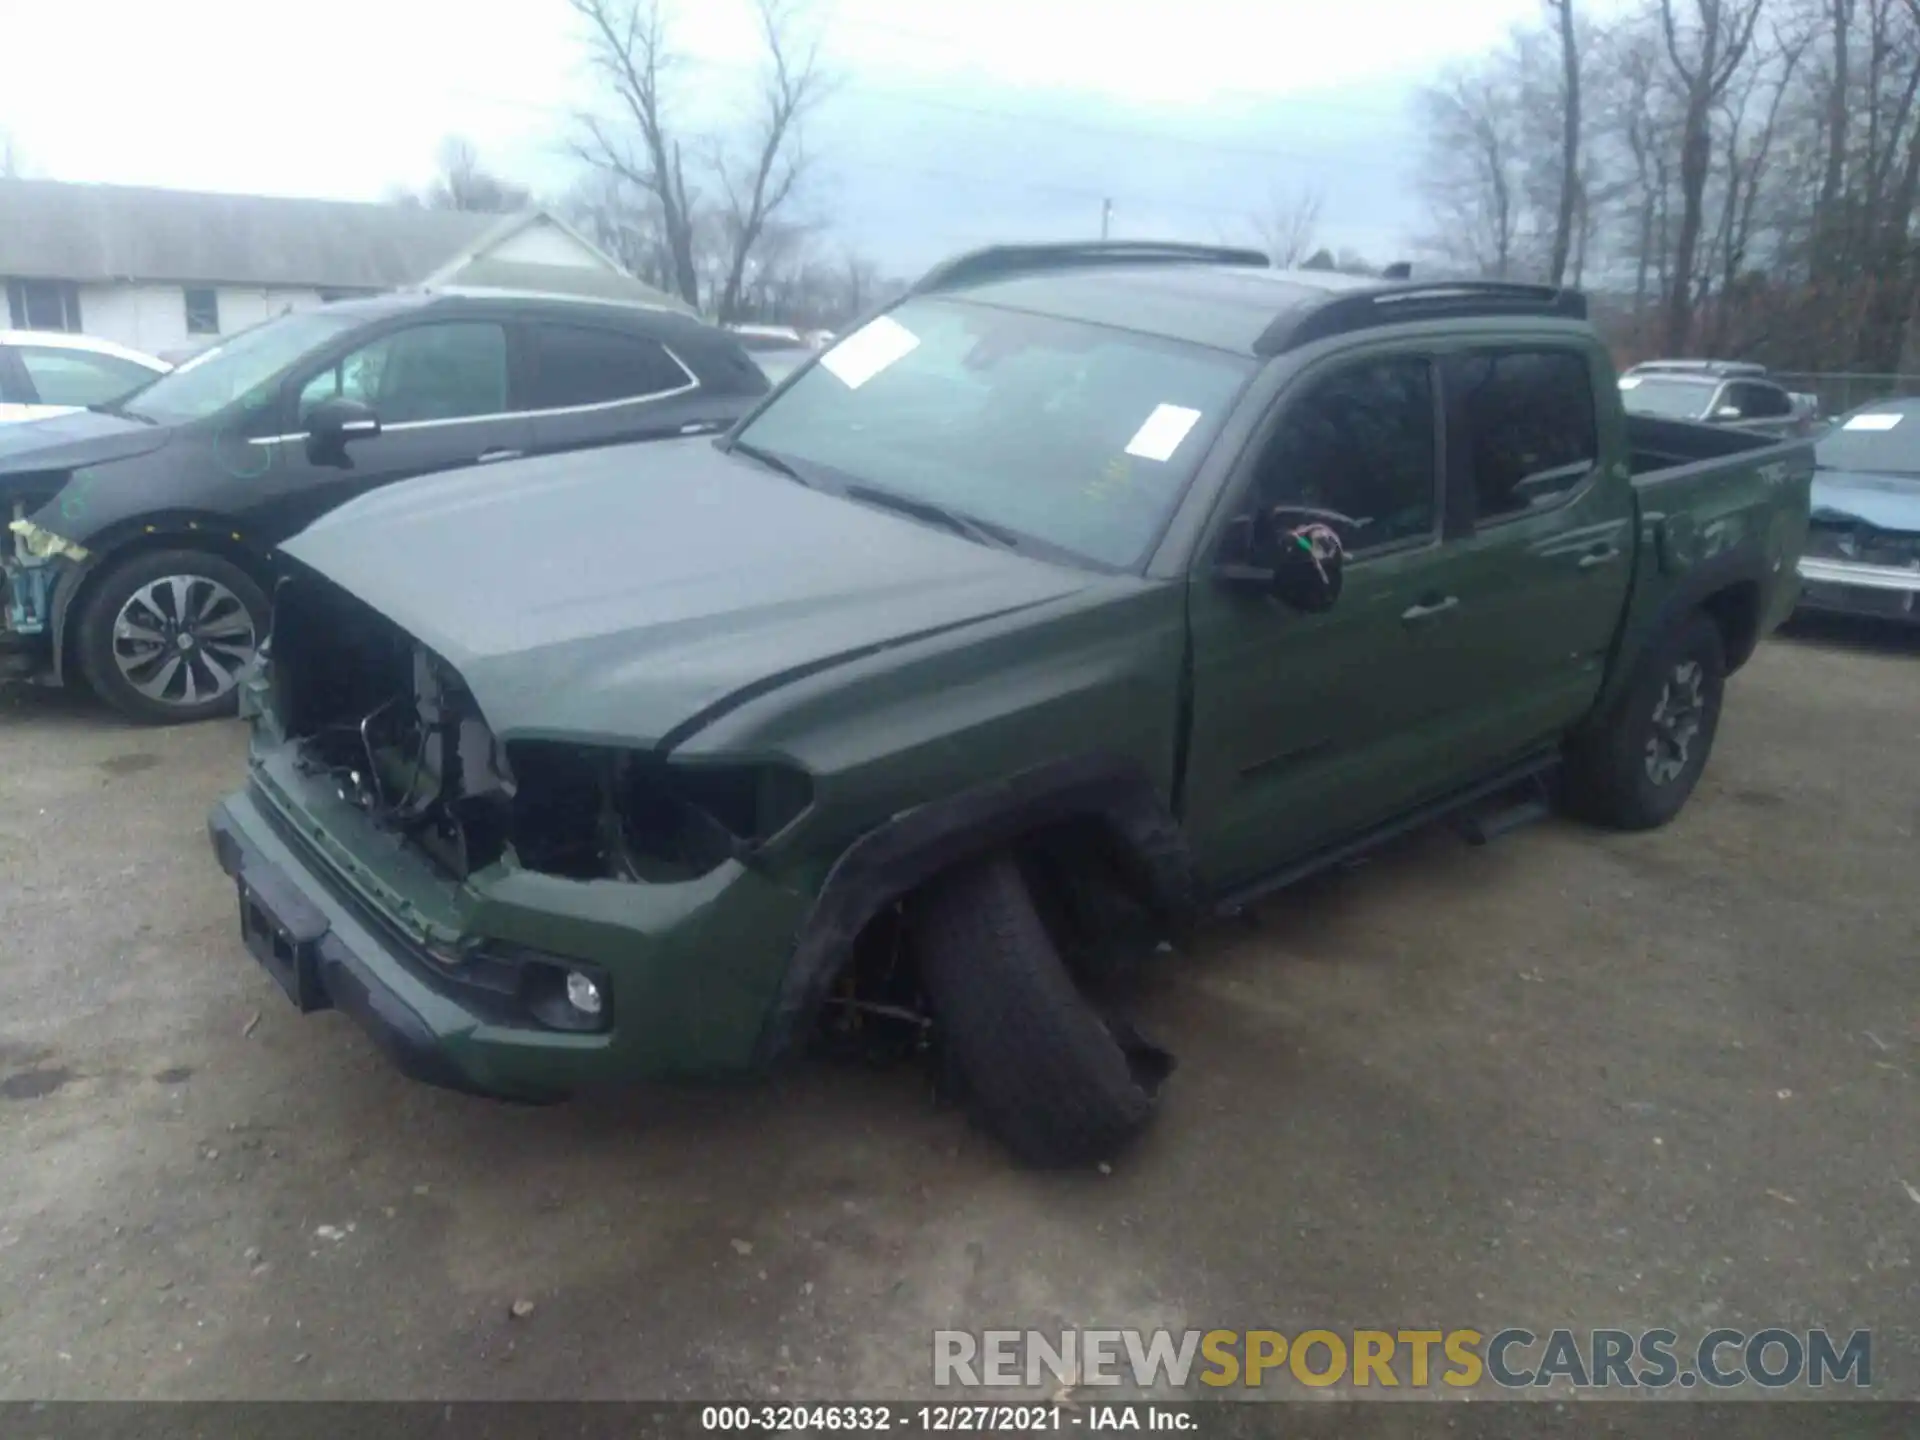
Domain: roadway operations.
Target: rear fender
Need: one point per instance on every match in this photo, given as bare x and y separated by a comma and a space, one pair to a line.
1698, 585
895, 859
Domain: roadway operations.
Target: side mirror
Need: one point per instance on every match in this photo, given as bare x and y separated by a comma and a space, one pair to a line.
1308, 569
332, 424
1295, 556
1728, 412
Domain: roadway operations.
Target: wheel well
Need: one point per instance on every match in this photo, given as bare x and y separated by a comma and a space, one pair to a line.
215, 542
1090, 898
1736, 611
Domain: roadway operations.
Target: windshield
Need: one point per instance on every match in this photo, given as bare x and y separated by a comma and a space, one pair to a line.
234, 369
1669, 399
1080, 436
1882, 439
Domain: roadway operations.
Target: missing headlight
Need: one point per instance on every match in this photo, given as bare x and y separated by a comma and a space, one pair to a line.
595, 812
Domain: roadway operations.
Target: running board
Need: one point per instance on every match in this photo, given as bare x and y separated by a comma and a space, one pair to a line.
1532, 771
1479, 826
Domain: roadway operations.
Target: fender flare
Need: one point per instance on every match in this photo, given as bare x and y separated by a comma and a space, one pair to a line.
908, 850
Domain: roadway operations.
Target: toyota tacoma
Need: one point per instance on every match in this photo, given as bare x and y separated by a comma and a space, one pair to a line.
1082, 593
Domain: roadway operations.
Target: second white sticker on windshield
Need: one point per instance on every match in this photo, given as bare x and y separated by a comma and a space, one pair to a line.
869, 350
1162, 433
1882, 421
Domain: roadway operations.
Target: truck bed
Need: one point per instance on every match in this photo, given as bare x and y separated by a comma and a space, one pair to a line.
1715, 506
1657, 445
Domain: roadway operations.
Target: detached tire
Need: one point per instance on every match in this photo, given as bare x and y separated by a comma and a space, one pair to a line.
1045, 1073
1637, 766
164, 635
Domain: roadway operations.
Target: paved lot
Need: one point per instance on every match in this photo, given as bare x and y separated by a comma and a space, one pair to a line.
1574, 1079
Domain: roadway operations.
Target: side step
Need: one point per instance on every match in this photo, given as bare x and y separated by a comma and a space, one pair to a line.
1524, 804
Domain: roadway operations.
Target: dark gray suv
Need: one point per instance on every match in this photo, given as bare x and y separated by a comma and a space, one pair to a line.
141, 534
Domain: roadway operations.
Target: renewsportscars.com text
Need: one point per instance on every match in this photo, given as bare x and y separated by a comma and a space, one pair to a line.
1511, 1359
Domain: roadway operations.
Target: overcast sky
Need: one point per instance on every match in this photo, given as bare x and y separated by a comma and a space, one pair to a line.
953, 125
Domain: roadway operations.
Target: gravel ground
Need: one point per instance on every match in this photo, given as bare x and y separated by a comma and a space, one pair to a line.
1571, 1079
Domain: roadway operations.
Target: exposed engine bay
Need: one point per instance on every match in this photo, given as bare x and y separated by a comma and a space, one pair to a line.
398, 734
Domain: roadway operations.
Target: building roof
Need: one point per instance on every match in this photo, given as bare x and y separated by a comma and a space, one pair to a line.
54, 230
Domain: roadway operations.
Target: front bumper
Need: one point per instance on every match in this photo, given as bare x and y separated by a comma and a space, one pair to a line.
692, 969
327, 956
1848, 587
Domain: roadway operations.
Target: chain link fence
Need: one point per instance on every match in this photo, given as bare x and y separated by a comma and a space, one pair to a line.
1840, 392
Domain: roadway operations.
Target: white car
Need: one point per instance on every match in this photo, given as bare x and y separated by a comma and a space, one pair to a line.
43, 374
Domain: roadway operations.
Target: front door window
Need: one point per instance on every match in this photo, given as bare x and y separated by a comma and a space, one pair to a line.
429, 372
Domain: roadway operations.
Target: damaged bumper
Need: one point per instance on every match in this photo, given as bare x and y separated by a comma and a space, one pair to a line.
454, 985
32, 564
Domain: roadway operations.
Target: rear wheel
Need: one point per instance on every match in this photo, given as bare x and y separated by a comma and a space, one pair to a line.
165, 635
1636, 769
1045, 1073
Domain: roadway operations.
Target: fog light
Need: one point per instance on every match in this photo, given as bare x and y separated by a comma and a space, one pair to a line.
582, 993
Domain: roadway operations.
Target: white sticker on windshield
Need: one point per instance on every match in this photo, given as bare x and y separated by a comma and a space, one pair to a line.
1882, 421
1165, 428
1630, 382
869, 350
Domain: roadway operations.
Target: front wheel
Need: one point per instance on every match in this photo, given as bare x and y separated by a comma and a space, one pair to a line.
1637, 767
165, 635
1046, 1073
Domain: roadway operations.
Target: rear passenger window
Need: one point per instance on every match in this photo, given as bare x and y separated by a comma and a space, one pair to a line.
579, 365
1530, 432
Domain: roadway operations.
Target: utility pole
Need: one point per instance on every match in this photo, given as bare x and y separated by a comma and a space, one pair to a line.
1106, 217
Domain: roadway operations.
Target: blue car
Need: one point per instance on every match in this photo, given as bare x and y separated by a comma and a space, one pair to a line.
1862, 555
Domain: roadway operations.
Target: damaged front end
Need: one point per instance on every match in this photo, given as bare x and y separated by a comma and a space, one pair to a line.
32, 561
1853, 566
549, 913
398, 735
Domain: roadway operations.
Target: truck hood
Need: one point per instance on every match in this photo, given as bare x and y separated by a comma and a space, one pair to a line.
1886, 502
630, 594
80, 437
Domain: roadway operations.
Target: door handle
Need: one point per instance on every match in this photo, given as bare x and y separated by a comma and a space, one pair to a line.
1427, 609
1594, 559
487, 457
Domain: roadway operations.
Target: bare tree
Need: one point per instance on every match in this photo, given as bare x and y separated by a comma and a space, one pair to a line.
629, 47
1569, 198
1287, 228
12, 164
463, 183
1472, 177
757, 186
1723, 33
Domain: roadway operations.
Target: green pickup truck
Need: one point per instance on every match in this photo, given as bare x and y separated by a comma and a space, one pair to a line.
1084, 592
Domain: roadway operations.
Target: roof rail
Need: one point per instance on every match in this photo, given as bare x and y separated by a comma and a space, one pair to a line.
1695, 367
999, 261
1423, 300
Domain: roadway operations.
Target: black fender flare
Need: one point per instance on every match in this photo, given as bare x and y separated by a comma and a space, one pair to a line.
897, 857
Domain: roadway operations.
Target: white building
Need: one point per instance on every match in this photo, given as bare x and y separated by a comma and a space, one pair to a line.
168, 270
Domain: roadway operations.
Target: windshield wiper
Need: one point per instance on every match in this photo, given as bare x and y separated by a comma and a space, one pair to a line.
978, 531
772, 461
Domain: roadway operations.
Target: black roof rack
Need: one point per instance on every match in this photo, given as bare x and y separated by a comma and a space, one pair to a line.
1424, 300
999, 261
